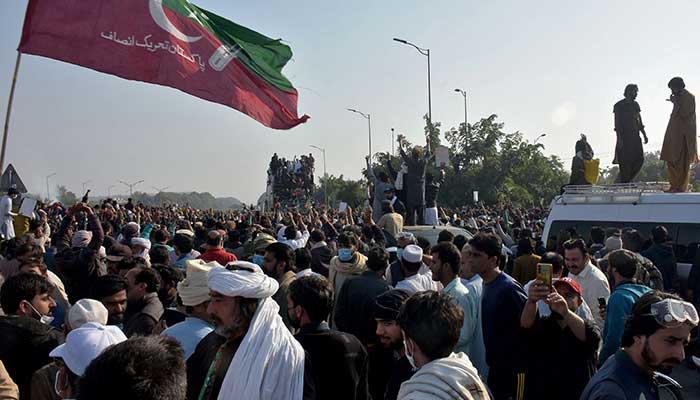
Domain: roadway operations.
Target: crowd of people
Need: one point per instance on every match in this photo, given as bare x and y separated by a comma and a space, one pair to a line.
292, 181
117, 301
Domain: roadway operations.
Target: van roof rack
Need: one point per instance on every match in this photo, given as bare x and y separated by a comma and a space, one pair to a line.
618, 188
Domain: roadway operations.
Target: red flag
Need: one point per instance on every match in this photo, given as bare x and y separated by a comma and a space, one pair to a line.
172, 43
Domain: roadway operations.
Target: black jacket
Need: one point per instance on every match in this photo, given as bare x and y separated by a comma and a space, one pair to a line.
79, 267
355, 304
141, 317
339, 362
25, 344
663, 258
320, 259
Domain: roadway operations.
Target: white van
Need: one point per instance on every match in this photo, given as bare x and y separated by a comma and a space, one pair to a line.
640, 206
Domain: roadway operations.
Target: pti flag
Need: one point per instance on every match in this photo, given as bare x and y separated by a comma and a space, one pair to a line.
172, 43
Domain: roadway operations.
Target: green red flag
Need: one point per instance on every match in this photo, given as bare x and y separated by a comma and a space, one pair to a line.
172, 43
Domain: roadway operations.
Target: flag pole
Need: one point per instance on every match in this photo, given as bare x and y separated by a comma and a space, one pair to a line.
9, 110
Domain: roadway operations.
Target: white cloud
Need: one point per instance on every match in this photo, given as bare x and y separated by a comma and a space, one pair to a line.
564, 113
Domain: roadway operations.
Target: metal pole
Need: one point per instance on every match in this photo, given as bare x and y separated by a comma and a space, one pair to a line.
9, 110
430, 109
369, 127
392, 141
48, 192
325, 177
466, 124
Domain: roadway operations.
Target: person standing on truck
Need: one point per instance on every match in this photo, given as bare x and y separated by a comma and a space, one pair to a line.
629, 153
680, 147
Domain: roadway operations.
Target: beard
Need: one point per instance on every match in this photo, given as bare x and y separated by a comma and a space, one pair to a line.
115, 319
663, 366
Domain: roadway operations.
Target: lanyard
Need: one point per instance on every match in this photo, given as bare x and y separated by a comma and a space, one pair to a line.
210, 373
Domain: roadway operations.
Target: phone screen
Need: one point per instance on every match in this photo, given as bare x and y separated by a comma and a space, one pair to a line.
544, 273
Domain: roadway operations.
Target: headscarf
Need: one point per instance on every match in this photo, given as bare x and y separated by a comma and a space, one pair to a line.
269, 363
81, 239
193, 290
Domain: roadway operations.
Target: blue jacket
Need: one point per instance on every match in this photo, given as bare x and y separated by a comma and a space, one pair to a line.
619, 308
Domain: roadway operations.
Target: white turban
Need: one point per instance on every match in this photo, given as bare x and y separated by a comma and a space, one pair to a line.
269, 363
193, 290
81, 239
251, 285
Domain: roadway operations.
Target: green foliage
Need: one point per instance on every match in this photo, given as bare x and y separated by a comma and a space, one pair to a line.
339, 189
653, 170
432, 131
502, 167
65, 196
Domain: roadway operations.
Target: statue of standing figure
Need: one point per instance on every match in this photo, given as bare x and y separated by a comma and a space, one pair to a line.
629, 153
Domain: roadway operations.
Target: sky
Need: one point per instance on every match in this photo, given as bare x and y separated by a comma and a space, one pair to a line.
554, 67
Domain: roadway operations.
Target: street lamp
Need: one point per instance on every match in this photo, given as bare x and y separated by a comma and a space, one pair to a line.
392, 141
539, 137
466, 125
131, 186
425, 52
48, 190
159, 190
325, 176
369, 127
85, 184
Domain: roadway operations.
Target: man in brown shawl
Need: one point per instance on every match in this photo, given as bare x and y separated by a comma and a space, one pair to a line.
629, 153
680, 143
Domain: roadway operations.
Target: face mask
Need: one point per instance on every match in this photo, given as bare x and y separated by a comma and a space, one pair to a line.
44, 319
399, 253
409, 357
345, 255
258, 259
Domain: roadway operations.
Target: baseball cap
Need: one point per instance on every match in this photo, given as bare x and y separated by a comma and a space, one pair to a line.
572, 284
412, 254
86, 310
84, 344
117, 252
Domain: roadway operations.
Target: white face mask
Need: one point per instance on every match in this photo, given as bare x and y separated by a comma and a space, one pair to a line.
45, 319
409, 356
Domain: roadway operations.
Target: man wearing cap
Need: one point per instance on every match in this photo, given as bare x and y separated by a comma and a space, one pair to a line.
25, 334
321, 253
215, 249
386, 311
110, 290
144, 309
183, 248
394, 274
118, 259
84, 311
259, 359
82, 346
623, 266
563, 332
77, 255
414, 281
260, 243
194, 293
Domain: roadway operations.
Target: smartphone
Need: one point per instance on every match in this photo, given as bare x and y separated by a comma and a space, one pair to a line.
544, 273
601, 302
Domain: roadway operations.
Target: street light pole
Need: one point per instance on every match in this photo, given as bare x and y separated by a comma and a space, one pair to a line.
325, 175
466, 124
425, 52
539, 137
48, 190
162, 189
369, 127
131, 186
392, 141
109, 190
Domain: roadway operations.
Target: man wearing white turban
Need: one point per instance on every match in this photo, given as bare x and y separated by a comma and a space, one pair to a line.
259, 359
194, 292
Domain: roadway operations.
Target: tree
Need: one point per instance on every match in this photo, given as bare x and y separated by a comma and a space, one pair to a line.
65, 196
339, 189
432, 131
653, 170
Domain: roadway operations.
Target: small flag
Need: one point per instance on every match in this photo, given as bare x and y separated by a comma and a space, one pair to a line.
172, 43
